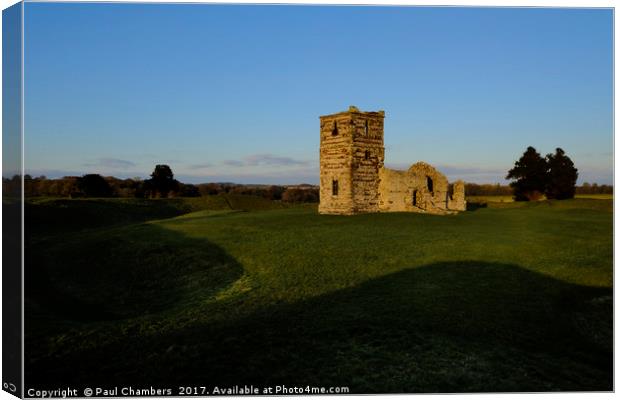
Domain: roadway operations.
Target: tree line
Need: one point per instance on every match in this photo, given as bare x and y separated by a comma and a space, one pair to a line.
160, 185
553, 176
534, 176
594, 188
486, 189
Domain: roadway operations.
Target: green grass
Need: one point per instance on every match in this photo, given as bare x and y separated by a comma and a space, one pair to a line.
509, 199
595, 196
491, 199
510, 297
61, 214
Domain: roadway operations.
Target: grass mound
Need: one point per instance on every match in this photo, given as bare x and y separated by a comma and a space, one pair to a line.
61, 214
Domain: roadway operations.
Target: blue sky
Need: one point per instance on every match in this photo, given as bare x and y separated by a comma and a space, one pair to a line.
11, 88
233, 93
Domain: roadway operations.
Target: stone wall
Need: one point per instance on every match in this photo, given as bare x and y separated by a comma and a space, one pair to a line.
335, 164
351, 154
368, 155
354, 180
419, 189
457, 201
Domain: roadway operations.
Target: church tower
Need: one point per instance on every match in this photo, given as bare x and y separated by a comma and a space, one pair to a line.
352, 154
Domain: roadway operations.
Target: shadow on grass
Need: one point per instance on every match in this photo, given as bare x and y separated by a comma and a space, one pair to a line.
446, 327
66, 215
127, 272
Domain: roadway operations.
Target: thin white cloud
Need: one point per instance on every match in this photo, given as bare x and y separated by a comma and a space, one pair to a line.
113, 163
254, 160
201, 166
233, 163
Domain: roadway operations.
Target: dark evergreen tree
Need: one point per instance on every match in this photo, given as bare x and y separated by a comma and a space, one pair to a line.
93, 185
530, 176
162, 181
562, 176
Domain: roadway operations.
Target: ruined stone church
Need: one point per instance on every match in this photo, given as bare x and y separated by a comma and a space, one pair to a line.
354, 179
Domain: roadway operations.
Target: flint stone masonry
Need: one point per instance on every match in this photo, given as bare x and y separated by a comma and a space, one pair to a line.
354, 180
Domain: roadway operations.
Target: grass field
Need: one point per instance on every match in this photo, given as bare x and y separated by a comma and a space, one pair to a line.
504, 199
513, 297
595, 196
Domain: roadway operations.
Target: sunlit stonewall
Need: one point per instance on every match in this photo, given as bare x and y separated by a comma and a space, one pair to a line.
354, 179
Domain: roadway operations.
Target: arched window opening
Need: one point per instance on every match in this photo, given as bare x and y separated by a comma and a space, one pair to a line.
415, 198
367, 155
366, 128
334, 187
335, 130
429, 184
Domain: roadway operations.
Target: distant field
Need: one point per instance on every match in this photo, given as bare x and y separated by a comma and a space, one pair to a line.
507, 199
516, 297
492, 199
595, 196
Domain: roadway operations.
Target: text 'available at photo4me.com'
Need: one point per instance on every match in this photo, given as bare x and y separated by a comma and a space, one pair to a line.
129, 391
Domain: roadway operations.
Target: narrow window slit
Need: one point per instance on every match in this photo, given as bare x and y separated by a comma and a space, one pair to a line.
429, 184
